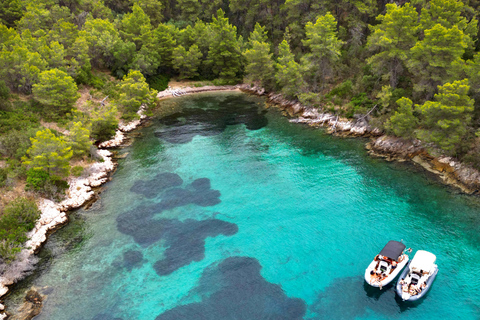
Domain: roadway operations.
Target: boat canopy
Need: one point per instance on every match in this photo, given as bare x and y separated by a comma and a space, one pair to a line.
423, 261
392, 250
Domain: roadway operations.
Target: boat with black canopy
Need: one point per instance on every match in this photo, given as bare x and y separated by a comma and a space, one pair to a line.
386, 265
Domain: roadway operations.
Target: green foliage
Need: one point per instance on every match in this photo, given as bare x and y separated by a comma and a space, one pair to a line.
165, 43
79, 139
77, 171
289, 73
359, 104
3, 176
259, 63
102, 38
158, 82
104, 123
437, 58
21, 67
15, 143
473, 72
18, 218
324, 45
188, 9
393, 38
10, 12
403, 122
49, 153
153, 8
36, 179
343, 90
135, 26
224, 54
446, 119
134, 91
57, 89
449, 13
187, 62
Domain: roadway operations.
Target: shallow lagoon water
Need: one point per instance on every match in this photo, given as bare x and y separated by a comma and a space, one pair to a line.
226, 210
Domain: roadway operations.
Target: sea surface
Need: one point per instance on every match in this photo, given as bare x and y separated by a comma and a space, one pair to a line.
225, 210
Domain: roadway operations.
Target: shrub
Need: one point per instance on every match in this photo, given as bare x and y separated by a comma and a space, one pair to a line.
3, 176
18, 218
77, 171
104, 123
15, 143
36, 179
343, 90
158, 82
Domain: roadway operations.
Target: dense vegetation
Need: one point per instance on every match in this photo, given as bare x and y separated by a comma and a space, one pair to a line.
413, 65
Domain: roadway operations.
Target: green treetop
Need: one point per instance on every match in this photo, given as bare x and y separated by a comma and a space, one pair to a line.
135, 26
134, 92
392, 39
289, 73
79, 139
153, 8
437, 58
403, 122
10, 12
324, 45
102, 37
446, 119
57, 89
49, 153
259, 66
448, 13
20, 67
165, 43
224, 53
189, 9
187, 62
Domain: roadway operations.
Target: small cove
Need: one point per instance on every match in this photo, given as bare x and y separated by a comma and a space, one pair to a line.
226, 210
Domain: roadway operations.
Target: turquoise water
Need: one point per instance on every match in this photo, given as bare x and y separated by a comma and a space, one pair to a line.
228, 211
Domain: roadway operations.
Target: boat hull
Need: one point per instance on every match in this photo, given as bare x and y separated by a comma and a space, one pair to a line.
420, 295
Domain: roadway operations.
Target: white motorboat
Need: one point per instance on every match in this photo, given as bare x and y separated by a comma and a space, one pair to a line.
417, 278
386, 265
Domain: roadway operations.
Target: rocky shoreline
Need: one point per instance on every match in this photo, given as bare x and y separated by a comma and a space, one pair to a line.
80, 192
180, 91
53, 215
451, 171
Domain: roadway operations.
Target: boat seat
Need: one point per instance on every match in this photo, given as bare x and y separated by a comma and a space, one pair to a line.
383, 266
415, 278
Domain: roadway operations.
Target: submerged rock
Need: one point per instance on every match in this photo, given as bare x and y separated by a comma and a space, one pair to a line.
32, 306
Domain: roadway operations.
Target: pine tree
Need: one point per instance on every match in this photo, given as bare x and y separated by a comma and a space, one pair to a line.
57, 89
403, 122
224, 54
445, 120
393, 38
437, 59
289, 73
49, 153
134, 92
259, 63
21, 68
165, 42
136, 26
79, 139
187, 62
324, 46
